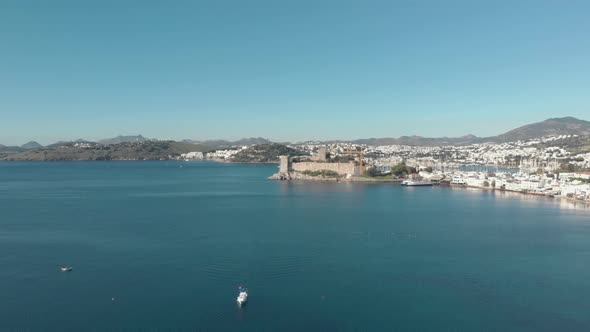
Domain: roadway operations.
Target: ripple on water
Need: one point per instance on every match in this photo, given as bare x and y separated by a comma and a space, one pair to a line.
286, 266
259, 264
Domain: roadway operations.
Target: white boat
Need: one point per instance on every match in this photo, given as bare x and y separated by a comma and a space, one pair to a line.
66, 268
243, 296
416, 183
458, 180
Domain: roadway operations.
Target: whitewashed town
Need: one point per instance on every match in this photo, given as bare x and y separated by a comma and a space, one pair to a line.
540, 166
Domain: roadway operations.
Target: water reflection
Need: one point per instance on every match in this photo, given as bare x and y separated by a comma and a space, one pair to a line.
360, 191
526, 198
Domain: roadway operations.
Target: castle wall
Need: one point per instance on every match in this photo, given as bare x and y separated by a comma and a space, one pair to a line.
341, 168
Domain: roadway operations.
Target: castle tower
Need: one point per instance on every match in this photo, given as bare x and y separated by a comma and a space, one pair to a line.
322, 153
285, 165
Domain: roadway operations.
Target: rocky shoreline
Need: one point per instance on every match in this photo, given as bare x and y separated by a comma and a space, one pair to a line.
297, 176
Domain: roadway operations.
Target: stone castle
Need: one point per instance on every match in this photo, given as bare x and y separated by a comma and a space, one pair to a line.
289, 168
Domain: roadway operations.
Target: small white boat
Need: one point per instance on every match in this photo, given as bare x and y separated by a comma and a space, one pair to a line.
243, 296
66, 268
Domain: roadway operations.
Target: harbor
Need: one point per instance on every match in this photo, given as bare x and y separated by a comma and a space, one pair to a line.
573, 186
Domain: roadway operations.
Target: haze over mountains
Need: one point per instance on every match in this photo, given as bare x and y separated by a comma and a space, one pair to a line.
243, 141
553, 126
27, 146
122, 139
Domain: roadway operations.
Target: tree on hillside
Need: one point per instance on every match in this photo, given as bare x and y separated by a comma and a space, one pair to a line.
401, 170
373, 172
567, 167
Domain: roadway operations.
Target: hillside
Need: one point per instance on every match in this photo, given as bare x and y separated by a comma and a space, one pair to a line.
31, 145
60, 143
5, 150
10, 149
555, 126
241, 142
147, 150
574, 145
418, 140
264, 153
123, 139
549, 127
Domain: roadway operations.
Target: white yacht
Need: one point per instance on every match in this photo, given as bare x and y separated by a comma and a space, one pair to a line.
416, 183
65, 268
243, 296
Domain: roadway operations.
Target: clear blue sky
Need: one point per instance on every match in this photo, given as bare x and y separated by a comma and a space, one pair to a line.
288, 70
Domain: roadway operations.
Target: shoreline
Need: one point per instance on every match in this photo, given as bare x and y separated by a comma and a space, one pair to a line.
569, 199
221, 161
343, 180
398, 182
296, 176
306, 178
106, 160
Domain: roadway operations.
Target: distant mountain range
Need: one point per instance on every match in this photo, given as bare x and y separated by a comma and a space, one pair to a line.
31, 145
123, 139
62, 143
554, 126
145, 150
27, 146
241, 142
211, 143
415, 140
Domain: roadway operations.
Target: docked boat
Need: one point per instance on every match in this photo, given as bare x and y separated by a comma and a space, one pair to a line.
243, 296
416, 183
65, 268
458, 180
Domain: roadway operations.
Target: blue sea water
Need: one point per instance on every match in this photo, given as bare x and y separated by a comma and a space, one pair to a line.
164, 245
